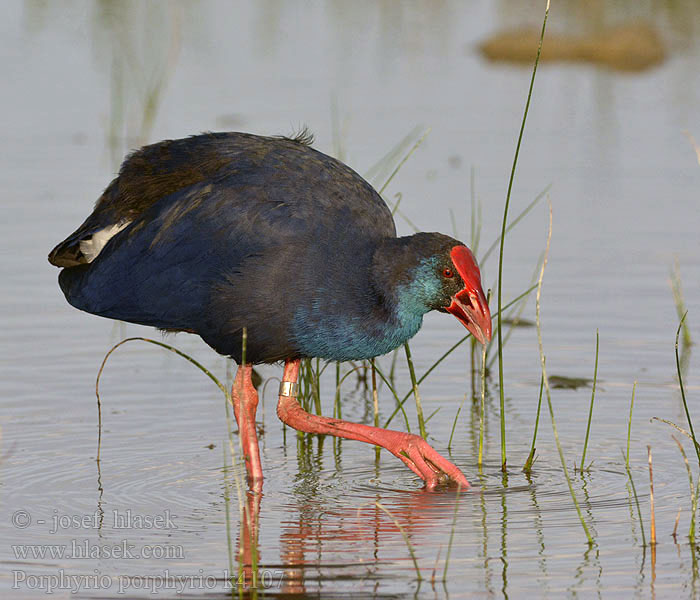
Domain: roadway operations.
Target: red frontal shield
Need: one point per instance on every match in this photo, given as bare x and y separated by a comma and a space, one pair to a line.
469, 305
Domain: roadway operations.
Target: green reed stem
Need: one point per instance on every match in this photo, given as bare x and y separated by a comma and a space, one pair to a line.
693, 493
672, 424
693, 519
454, 423
416, 394
447, 353
527, 468
503, 235
677, 291
375, 400
469, 336
227, 503
337, 413
197, 364
411, 550
303, 387
317, 387
629, 426
680, 383
546, 384
346, 375
513, 223
452, 534
432, 414
482, 407
396, 396
636, 501
395, 208
472, 367
561, 456
590, 411
514, 315
201, 367
392, 369
391, 388
403, 160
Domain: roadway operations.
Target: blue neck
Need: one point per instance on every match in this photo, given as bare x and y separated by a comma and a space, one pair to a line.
352, 338
366, 331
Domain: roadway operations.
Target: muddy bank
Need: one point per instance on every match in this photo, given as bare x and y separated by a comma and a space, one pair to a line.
632, 47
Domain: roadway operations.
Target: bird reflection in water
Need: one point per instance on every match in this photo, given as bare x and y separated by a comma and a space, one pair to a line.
317, 535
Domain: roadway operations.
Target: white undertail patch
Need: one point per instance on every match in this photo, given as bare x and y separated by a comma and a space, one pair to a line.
92, 246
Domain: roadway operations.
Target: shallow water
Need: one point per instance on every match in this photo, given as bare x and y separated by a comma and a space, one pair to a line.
87, 82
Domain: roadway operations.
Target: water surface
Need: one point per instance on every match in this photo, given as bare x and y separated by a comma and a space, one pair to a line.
86, 82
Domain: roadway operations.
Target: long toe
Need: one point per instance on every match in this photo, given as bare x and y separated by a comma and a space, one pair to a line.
429, 475
443, 466
427, 463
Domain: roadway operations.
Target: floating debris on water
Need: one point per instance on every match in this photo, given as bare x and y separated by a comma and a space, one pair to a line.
569, 383
518, 322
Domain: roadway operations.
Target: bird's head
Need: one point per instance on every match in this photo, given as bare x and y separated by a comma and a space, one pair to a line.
432, 271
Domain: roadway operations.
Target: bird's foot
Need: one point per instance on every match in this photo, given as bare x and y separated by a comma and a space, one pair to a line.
413, 450
425, 461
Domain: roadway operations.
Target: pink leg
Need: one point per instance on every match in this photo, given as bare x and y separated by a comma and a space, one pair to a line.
245, 403
413, 450
248, 542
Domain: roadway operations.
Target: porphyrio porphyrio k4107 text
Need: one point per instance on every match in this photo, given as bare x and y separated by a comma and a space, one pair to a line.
224, 231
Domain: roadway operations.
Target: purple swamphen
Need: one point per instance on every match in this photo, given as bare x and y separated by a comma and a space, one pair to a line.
221, 231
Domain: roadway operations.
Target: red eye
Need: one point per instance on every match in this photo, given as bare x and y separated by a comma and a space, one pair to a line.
448, 273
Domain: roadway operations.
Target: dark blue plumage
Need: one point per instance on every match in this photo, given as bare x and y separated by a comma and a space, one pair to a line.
221, 232
232, 230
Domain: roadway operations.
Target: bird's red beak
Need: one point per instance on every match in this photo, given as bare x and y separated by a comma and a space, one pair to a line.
469, 305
